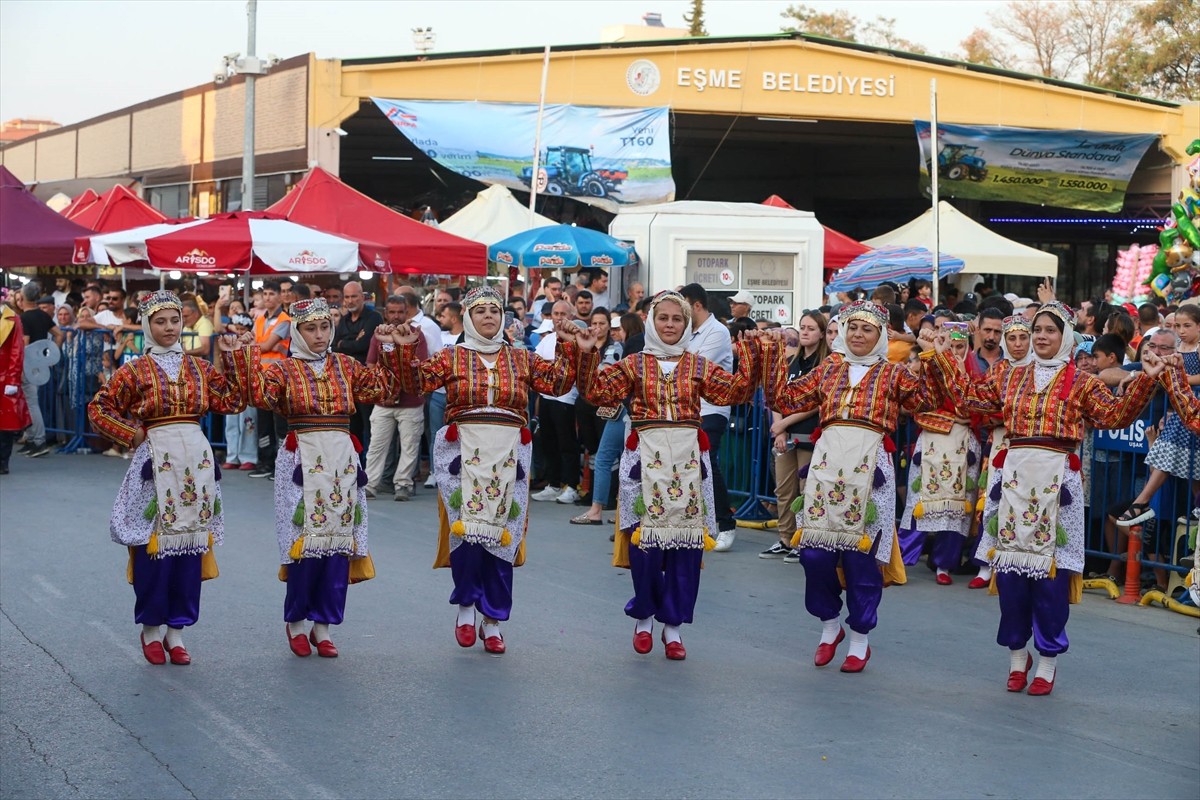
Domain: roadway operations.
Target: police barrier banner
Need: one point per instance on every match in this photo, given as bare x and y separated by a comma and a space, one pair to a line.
1129, 440
608, 157
1071, 169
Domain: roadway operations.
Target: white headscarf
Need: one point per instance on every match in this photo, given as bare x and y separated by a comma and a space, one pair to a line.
1018, 323
861, 312
302, 311
159, 301
655, 346
472, 338
1067, 346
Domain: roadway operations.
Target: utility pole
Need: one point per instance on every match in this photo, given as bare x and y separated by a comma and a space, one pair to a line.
251, 70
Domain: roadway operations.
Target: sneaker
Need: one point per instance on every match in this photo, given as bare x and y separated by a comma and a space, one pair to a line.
725, 540
431, 482
228, 465
793, 556
547, 494
25, 448
568, 497
403, 493
370, 493
247, 466
39, 450
112, 452
260, 472
777, 550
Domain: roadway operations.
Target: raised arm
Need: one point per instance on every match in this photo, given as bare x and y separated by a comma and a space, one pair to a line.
267, 385
603, 387
372, 384
226, 393
109, 410
724, 389
983, 396
1103, 409
1175, 380
554, 377
787, 397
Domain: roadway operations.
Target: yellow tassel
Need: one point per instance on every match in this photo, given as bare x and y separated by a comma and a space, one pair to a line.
979, 504
458, 529
709, 542
968, 506
992, 554
919, 510
505, 538
152, 545
1053, 569
297, 551
864, 544
635, 538
796, 537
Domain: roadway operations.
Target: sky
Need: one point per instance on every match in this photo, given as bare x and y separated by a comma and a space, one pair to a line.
70, 60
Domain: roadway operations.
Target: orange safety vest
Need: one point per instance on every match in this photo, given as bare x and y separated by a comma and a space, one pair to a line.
262, 333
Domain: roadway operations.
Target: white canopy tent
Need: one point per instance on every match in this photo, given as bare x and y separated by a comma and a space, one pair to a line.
985, 252
494, 215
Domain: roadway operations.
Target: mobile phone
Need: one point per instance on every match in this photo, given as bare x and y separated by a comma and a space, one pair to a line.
508, 319
225, 291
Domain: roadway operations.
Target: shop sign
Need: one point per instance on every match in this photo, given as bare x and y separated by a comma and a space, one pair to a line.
773, 271
773, 306
714, 271
703, 79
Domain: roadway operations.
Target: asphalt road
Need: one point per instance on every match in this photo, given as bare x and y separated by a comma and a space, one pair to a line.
571, 710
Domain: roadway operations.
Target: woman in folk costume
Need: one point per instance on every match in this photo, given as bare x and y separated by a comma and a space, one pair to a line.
665, 505
846, 513
320, 499
481, 457
1014, 343
168, 510
945, 477
14, 409
1035, 541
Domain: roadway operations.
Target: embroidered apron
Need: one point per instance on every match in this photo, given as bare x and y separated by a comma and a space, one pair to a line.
671, 488
944, 477
1027, 527
484, 500
185, 489
326, 513
838, 489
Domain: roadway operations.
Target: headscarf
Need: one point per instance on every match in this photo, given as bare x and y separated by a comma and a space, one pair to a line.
1067, 316
472, 338
302, 311
162, 300
869, 312
655, 346
1016, 322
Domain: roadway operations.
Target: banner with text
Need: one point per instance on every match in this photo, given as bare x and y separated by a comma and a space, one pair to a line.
607, 157
1071, 169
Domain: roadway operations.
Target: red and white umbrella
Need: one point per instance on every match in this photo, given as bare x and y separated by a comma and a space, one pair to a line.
242, 241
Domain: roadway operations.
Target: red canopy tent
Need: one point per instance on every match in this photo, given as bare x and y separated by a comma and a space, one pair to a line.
31, 233
840, 249
80, 202
322, 201
118, 209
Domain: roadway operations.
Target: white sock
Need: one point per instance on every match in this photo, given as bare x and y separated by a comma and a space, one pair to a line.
671, 632
174, 638
985, 572
320, 631
1017, 659
466, 615
152, 633
829, 630
1045, 668
296, 628
645, 625
858, 644
490, 628
943, 571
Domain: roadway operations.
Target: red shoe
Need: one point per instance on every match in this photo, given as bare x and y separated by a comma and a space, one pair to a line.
298, 643
465, 634
154, 651
643, 642
1018, 679
179, 656
944, 579
825, 652
675, 650
325, 649
1041, 687
246, 467
977, 583
230, 465
856, 664
492, 644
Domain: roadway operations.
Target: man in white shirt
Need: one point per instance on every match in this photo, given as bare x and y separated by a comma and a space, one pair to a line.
557, 435
710, 339
599, 289
435, 402
551, 293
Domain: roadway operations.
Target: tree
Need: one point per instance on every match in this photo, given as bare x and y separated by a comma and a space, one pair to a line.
882, 32
981, 47
1101, 33
1168, 63
695, 20
1041, 29
839, 24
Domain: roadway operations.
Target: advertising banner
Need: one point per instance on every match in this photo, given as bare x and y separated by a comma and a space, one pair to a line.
1071, 169
607, 157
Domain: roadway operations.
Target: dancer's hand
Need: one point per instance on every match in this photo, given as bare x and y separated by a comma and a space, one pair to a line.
405, 334
566, 331
585, 339
229, 342
138, 437
1152, 365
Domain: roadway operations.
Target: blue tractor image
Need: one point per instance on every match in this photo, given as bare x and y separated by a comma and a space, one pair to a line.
958, 161
569, 171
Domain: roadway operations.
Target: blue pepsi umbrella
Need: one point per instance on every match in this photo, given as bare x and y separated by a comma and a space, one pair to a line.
895, 264
562, 247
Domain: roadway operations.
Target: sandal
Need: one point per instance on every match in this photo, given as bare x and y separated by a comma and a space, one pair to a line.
584, 519
1136, 514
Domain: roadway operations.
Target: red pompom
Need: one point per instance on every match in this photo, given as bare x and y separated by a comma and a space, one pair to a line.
888, 445
702, 439
526, 436
452, 432
816, 434
631, 441
998, 461
1073, 462
290, 443
357, 444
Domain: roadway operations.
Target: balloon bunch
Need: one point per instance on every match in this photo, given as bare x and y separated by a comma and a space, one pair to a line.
1176, 268
1133, 273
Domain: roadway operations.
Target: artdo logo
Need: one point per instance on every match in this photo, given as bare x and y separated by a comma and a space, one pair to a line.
196, 258
643, 77
307, 258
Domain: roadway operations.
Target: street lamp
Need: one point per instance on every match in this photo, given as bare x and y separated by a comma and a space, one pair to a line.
424, 40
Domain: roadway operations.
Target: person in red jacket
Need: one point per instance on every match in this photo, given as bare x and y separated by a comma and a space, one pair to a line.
14, 411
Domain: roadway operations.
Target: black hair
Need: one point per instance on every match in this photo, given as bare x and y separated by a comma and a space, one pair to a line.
695, 293
895, 317
998, 302
584, 293
991, 312
272, 284
1111, 344
1058, 321
914, 306
301, 290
